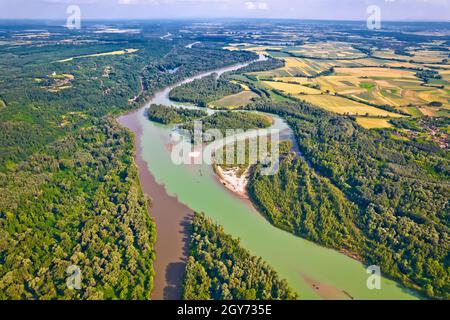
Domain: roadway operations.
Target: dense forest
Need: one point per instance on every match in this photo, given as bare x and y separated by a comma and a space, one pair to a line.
231, 120
70, 189
301, 202
219, 268
383, 199
170, 115
76, 202
204, 90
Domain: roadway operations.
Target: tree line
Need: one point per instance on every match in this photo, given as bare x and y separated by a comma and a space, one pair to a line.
218, 268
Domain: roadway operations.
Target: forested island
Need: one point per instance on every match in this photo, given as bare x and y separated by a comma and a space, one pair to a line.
219, 268
170, 115
232, 120
204, 90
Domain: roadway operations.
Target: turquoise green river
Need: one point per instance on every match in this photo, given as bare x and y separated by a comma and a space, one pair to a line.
303, 264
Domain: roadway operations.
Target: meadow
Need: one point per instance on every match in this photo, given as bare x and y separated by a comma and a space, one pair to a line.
234, 101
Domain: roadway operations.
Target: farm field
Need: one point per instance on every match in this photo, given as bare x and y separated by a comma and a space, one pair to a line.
298, 80
345, 106
390, 54
297, 67
375, 86
234, 101
375, 72
385, 79
384, 86
291, 88
431, 56
417, 56
326, 50
373, 123
381, 86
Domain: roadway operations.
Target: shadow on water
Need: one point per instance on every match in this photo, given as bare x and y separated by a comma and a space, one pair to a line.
175, 271
174, 281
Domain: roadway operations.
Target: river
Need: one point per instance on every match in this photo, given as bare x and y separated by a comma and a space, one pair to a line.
179, 190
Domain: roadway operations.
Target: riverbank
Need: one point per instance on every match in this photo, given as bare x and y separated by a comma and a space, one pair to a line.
172, 217
168, 214
234, 180
197, 188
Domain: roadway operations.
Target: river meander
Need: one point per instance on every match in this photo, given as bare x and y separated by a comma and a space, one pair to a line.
178, 190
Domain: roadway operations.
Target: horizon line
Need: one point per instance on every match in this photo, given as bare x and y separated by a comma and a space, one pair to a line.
220, 18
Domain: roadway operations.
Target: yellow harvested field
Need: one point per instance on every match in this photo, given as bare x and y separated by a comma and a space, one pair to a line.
298, 67
421, 56
112, 53
305, 67
375, 72
243, 86
345, 106
327, 50
263, 48
428, 111
290, 88
390, 54
430, 56
298, 80
376, 85
373, 123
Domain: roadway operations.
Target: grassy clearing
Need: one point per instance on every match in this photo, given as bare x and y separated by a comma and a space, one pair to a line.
243, 86
429, 111
112, 53
413, 111
367, 85
373, 123
234, 101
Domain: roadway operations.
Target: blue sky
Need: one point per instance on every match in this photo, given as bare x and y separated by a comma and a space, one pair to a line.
298, 9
